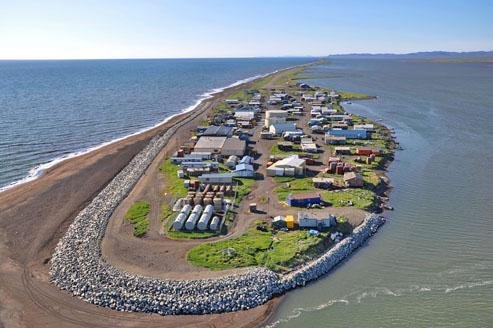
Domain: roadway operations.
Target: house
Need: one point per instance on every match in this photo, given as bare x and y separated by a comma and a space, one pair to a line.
334, 140
323, 183
349, 134
275, 116
367, 127
309, 147
216, 178
305, 221
285, 145
367, 151
233, 146
210, 144
218, 131
353, 179
335, 118
245, 115
244, 171
304, 199
279, 128
342, 150
289, 166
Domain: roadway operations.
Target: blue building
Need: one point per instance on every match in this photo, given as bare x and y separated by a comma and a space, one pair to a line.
304, 200
349, 134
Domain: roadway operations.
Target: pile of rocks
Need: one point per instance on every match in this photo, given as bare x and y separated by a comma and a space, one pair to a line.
78, 267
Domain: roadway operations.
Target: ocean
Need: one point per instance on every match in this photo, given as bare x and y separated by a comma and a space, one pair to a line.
431, 265
53, 110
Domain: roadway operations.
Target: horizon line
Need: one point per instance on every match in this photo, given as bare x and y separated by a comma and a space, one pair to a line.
252, 57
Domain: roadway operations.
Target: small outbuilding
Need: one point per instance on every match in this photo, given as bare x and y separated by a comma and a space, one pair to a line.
353, 179
304, 199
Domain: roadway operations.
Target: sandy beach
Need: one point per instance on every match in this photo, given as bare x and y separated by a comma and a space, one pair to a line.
33, 217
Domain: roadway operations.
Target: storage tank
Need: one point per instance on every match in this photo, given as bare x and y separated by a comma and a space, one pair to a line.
179, 221
205, 218
215, 223
186, 209
193, 218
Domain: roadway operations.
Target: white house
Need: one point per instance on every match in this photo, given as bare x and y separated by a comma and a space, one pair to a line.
279, 128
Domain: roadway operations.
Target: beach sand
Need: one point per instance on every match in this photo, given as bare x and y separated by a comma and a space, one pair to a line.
33, 217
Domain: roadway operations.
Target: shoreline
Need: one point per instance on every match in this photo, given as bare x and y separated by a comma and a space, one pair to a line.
36, 214
138, 141
39, 170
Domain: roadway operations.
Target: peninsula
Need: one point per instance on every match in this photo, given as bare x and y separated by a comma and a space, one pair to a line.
271, 181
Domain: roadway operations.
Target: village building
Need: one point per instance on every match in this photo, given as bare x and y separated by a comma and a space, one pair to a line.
218, 131
275, 116
334, 140
210, 144
306, 221
233, 146
323, 183
279, 128
342, 150
304, 199
353, 179
216, 178
289, 166
244, 171
367, 127
349, 134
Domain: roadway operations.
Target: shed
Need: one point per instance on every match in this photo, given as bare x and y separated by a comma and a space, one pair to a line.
353, 179
304, 199
244, 171
323, 183
289, 221
216, 178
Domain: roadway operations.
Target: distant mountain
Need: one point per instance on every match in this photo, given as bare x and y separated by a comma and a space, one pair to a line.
419, 55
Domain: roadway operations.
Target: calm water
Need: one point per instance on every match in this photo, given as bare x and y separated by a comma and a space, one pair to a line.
432, 264
51, 109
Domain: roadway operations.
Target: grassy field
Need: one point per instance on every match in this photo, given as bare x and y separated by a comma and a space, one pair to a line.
173, 185
346, 95
137, 216
361, 198
290, 185
255, 248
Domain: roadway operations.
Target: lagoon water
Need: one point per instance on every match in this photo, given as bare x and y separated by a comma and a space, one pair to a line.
432, 264
54, 109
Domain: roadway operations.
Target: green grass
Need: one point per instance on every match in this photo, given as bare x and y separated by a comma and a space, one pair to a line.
173, 185
370, 178
347, 95
244, 188
361, 198
290, 185
255, 248
137, 216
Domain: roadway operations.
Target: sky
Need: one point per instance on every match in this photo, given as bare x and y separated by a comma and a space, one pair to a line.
90, 29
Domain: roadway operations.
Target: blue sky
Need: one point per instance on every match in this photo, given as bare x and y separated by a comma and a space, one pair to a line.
169, 29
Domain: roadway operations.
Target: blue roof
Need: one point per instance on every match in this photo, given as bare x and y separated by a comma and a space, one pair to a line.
350, 134
246, 160
244, 167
